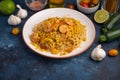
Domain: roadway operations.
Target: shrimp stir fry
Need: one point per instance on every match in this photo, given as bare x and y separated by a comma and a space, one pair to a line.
58, 35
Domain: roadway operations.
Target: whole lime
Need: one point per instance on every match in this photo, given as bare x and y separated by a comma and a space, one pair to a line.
7, 7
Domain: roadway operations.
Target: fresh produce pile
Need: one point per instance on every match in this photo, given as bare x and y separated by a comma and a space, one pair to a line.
89, 3
109, 30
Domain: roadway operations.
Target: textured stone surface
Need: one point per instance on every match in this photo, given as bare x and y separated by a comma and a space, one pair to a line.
18, 62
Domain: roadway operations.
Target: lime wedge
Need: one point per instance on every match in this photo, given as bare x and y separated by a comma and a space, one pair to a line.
101, 16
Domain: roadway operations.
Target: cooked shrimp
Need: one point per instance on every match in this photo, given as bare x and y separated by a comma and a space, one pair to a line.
58, 35
35, 37
51, 27
69, 21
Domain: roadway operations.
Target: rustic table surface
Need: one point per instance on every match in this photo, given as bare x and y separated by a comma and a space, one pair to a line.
18, 62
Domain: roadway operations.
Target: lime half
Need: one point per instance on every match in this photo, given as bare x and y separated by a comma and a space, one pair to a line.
101, 16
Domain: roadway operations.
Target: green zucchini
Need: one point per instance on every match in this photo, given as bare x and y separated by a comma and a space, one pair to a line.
110, 35
111, 22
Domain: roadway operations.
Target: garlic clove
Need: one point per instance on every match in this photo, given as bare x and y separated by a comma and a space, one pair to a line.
18, 20
98, 53
14, 20
22, 13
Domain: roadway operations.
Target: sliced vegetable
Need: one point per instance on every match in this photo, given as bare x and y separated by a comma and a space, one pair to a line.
111, 22
113, 52
110, 35
101, 16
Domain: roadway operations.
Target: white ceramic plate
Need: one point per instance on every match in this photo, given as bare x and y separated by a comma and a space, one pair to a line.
59, 12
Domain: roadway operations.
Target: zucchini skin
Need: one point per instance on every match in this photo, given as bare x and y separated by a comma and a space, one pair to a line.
110, 35
111, 22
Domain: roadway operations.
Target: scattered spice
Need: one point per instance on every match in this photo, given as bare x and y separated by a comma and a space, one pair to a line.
113, 52
71, 6
36, 5
15, 31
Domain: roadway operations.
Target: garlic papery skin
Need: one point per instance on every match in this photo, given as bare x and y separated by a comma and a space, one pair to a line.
14, 20
22, 13
98, 53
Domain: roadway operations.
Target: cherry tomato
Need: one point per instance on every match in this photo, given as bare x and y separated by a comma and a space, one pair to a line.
71, 6
84, 4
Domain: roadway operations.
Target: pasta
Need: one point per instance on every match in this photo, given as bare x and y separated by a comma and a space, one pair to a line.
58, 35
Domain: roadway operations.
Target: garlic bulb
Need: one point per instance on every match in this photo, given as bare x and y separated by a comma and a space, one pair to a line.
22, 13
98, 53
14, 20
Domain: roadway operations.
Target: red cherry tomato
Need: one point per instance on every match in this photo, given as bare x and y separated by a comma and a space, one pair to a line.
84, 4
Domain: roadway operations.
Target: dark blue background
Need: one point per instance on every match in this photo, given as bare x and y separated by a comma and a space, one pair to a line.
18, 62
